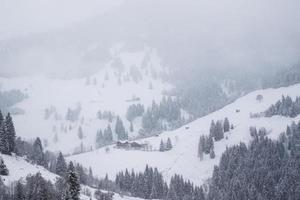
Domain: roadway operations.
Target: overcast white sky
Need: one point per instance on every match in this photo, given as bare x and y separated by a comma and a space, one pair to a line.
199, 33
19, 17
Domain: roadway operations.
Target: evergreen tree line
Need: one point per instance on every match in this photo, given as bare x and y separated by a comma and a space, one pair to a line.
106, 115
35, 187
73, 114
218, 129
216, 133
284, 107
104, 137
165, 146
151, 185
264, 170
284, 77
134, 111
159, 116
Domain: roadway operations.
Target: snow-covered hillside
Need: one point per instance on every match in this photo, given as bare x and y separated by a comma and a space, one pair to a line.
127, 78
182, 159
19, 169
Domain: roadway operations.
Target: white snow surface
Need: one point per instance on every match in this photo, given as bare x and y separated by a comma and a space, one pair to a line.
19, 169
182, 159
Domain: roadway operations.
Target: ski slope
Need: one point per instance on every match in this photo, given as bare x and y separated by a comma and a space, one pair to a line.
113, 88
182, 159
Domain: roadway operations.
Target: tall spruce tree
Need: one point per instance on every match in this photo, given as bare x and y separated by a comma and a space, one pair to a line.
73, 184
37, 155
11, 133
4, 144
3, 168
226, 125
169, 144
61, 166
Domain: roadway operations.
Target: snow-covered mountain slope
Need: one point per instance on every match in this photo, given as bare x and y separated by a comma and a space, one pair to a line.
128, 78
182, 159
19, 169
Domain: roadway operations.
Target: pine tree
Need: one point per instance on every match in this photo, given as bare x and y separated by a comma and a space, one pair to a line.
172, 195
11, 133
108, 135
219, 131
61, 166
162, 146
3, 168
99, 139
201, 147
4, 144
212, 129
169, 144
120, 130
38, 156
73, 189
226, 125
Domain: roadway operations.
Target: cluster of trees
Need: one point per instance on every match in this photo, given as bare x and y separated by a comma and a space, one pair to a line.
106, 115
134, 111
285, 107
7, 134
206, 146
266, 169
36, 187
165, 146
284, 77
73, 114
292, 139
120, 130
216, 133
3, 169
151, 185
218, 129
158, 116
104, 137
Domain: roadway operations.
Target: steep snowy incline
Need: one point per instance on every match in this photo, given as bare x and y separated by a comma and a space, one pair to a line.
128, 78
182, 159
19, 168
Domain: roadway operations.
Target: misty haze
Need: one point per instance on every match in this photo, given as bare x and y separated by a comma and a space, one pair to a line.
149, 99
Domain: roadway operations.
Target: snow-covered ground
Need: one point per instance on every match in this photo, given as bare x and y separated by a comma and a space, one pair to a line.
111, 89
182, 159
19, 169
